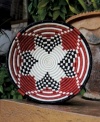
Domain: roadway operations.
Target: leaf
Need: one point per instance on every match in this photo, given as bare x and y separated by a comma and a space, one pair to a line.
83, 4
2, 76
50, 14
13, 92
62, 15
94, 4
14, 97
72, 8
30, 7
42, 13
56, 8
63, 9
1, 89
82, 92
42, 3
20, 97
42, 16
35, 18
56, 14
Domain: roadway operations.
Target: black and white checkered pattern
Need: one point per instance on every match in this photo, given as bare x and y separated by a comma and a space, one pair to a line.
47, 82
48, 44
28, 62
67, 63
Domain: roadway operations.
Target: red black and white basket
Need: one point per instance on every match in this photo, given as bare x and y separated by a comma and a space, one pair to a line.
49, 61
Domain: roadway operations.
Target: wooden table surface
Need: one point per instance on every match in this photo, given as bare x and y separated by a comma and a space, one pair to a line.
77, 105
74, 110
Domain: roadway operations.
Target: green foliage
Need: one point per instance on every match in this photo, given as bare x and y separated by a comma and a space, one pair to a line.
7, 89
83, 4
60, 9
82, 92
94, 4
47, 9
72, 7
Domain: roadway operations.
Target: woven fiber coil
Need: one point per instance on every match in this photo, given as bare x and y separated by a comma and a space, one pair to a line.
49, 61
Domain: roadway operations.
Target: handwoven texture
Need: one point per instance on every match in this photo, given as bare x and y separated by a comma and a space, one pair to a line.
49, 61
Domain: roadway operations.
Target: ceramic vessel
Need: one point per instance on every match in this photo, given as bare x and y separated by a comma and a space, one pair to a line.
89, 25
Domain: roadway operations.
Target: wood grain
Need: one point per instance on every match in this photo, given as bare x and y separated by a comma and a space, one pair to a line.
75, 110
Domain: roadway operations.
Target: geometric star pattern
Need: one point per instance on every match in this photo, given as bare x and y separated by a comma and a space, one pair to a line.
28, 62
67, 63
49, 61
47, 82
64, 64
47, 44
